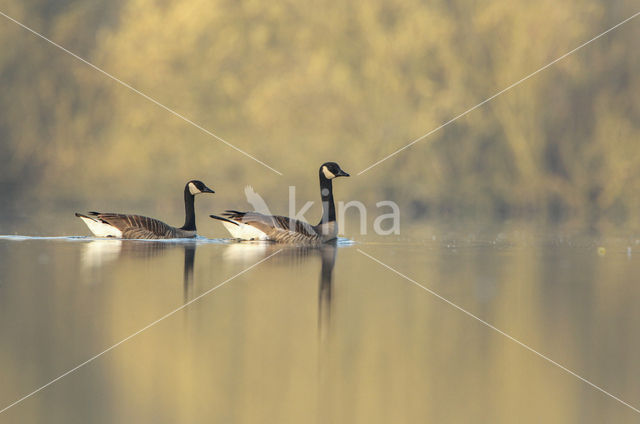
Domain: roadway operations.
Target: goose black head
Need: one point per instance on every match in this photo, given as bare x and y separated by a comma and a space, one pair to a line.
331, 170
197, 187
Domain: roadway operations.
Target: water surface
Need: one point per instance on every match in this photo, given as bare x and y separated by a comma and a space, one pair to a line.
321, 335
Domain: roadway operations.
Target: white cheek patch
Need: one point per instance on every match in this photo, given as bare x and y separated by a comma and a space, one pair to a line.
328, 174
193, 189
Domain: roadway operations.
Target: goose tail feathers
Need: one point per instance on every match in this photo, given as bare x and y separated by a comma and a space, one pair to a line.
99, 227
220, 218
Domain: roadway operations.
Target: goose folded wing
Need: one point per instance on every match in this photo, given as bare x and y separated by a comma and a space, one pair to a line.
137, 226
278, 228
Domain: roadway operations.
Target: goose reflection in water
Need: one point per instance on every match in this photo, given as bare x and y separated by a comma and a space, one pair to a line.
328, 254
98, 253
252, 252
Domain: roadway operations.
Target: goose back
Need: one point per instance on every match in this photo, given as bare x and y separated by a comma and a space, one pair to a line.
276, 228
141, 227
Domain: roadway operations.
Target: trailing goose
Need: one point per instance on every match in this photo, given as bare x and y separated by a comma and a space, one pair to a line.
257, 226
142, 227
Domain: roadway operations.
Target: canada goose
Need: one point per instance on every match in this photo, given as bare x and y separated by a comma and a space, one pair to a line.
142, 227
256, 226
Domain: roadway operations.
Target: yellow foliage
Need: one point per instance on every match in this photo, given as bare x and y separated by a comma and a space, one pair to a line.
299, 83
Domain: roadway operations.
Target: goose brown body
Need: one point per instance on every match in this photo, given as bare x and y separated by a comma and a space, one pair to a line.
139, 227
277, 228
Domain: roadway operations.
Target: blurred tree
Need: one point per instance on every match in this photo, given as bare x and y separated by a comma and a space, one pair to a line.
296, 83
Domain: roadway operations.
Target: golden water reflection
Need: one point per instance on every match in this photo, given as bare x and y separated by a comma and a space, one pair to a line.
319, 335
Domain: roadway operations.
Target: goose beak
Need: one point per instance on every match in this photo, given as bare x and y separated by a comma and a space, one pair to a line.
207, 190
341, 173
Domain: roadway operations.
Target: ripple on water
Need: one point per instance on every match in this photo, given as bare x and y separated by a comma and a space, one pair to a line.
198, 239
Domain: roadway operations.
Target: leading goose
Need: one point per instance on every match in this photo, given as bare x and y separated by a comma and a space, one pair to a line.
281, 229
142, 227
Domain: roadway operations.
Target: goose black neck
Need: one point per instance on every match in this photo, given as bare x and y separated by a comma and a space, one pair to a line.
189, 212
326, 192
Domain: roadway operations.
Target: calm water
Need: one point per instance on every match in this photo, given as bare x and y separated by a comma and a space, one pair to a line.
321, 335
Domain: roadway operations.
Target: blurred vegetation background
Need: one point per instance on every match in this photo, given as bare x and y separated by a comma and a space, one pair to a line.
297, 83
